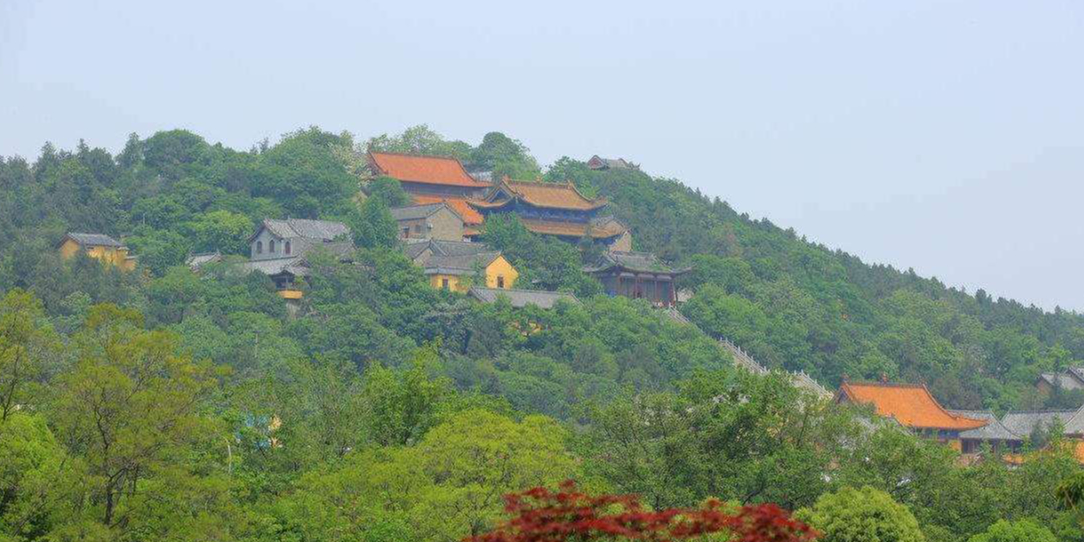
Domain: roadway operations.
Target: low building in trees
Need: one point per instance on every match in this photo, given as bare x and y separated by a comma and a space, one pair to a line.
99, 246
1071, 379
195, 261
429, 221
521, 298
458, 266
279, 248
598, 163
994, 433
639, 275
913, 407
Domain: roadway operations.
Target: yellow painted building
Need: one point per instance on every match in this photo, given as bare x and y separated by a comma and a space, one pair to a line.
98, 246
459, 273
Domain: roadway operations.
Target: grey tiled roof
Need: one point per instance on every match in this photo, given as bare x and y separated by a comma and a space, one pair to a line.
645, 262
323, 230
94, 239
1075, 424
994, 430
414, 249
295, 266
439, 264
521, 298
342, 249
458, 248
1024, 422
1072, 379
197, 260
415, 212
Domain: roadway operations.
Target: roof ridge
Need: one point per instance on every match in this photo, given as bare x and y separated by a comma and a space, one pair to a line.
887, 385
415, 155
1041, 411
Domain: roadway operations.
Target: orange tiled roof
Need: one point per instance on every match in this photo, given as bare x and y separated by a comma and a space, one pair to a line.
423, 169
552, 195
573, 229
460, 205
911, 405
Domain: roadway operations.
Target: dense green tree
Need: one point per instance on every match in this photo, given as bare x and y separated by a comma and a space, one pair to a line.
861, 515
504, 156
1020, 531
420, 140
221, 231
389, 191
29, 349
130, 405
373, 226
31, 464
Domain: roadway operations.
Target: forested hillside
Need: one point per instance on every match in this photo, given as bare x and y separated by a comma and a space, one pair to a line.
802, 306
170, 404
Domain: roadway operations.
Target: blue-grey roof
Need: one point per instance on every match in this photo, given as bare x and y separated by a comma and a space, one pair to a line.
277, 266
323, 230
645, 262
1071, 379
993, 430
521, 298
94, 240
1024, 422
414, 249
439, 264
196, 260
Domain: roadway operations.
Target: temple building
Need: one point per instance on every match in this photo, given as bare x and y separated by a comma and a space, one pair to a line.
913, 407
279, 248
521, 298
458, 266
432, 179
639, 275
995, 434
556, 209
429, 221
598, 163
1068, 380
98, 246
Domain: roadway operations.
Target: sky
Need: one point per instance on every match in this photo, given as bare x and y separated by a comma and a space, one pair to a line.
944, 136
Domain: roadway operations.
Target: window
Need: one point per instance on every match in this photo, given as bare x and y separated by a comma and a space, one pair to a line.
500, 281
287, 247
444, 283
406, 232
259, 247
271, 246
417, 228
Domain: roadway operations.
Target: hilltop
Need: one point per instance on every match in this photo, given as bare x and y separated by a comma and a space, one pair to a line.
792, 304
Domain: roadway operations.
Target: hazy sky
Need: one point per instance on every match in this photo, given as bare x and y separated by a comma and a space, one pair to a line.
947, 136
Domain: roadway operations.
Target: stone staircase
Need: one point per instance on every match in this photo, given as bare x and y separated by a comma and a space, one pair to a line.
744, 360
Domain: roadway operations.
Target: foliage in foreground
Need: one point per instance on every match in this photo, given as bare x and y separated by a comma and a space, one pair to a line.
540, 515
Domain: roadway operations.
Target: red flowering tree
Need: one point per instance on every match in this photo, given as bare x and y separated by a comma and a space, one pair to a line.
540, 515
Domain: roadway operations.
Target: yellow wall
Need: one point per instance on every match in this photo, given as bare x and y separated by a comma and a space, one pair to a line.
113, 256
437, 282
290, 294
501, 267
498, 268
